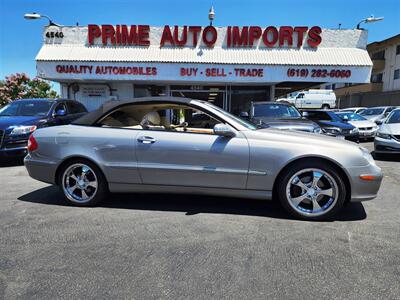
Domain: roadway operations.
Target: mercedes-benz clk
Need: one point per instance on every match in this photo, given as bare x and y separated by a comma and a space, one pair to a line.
152, 145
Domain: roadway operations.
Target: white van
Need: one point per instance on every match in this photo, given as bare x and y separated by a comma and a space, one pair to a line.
324, 99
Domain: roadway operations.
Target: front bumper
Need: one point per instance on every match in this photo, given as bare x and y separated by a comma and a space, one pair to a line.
352, 137
367, 133
386, 145
14, 146
362, 190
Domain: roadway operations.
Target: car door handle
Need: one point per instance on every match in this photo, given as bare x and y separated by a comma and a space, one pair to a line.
146, 140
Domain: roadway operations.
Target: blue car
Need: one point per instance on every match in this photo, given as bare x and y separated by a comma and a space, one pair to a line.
21, 117
331, 124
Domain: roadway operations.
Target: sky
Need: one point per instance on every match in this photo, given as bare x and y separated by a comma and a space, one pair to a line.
20, 39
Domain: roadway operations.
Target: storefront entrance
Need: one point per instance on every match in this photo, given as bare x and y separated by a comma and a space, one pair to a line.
215, 94
231, 98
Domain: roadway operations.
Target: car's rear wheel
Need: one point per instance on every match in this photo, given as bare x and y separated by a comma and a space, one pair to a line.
82, 183
325, 106
312, 191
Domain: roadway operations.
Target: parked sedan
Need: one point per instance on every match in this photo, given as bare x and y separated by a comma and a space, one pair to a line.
356, 110
387, 138
146, 145
279, 115
21, 117
367, 129
377, 114
331, 124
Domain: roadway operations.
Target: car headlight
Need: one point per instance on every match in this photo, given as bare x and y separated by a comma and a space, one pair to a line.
383, 135
367, 155
332, 130
21, 130
317, 130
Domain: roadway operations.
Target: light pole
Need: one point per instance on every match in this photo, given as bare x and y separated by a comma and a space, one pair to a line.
36, 16
371, 19
211, 15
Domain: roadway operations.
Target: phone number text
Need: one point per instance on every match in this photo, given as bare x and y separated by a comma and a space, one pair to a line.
319, 73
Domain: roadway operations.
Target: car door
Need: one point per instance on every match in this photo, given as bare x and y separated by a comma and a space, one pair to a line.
58, 119
182, 158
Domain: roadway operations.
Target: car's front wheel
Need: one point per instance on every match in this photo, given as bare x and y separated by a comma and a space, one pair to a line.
312, 191
82, 183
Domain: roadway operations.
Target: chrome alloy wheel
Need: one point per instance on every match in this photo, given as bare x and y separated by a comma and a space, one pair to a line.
79, 183
312, 192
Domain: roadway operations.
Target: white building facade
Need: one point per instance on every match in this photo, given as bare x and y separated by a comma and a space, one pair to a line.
230, 66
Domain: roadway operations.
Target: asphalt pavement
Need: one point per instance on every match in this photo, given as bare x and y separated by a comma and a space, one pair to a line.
142, 246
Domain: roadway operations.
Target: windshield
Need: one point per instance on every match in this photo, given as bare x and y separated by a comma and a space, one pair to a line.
276, 111
372, 111
26, 108
242, 122
351, 117
394, 117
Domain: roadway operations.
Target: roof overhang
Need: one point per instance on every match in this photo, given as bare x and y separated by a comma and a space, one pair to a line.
340, 57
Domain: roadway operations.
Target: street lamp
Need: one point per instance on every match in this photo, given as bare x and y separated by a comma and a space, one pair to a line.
211, 15
371, 19
36, 16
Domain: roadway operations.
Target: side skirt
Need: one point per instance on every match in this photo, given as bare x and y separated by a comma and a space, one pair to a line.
173, 189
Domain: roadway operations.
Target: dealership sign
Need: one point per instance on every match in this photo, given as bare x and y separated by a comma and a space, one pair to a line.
191, 36
199, 72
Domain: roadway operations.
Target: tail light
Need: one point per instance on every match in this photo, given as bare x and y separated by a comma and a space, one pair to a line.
32, 144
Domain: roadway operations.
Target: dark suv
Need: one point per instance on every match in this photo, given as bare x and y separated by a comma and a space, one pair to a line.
279, 115
21, 117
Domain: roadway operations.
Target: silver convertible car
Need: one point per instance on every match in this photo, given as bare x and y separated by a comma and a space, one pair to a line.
153, 145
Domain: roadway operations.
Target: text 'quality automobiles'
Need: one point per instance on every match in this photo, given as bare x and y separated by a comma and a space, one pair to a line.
151, 145
21, 117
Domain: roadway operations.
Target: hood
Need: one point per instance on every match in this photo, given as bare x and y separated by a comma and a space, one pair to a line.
341, 125
302, 140
391, 128
8, 121
373, 118
288, 124
362, 124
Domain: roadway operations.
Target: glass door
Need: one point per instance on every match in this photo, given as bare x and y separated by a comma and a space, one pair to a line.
214, 94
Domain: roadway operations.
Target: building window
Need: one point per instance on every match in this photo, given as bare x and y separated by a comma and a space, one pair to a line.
398, 50
397, 74
379, 55
376, 78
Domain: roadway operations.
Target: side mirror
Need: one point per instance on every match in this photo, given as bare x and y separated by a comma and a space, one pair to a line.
224, 130
345, 119
305, 114
379, 122
244, 115
60, 113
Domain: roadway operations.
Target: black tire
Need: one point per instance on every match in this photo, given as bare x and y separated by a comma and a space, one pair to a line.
102, 186
326, 106
283, 182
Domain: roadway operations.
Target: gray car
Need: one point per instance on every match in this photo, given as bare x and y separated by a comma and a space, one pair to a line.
377, 114
151, 145
279, 115
387, 139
